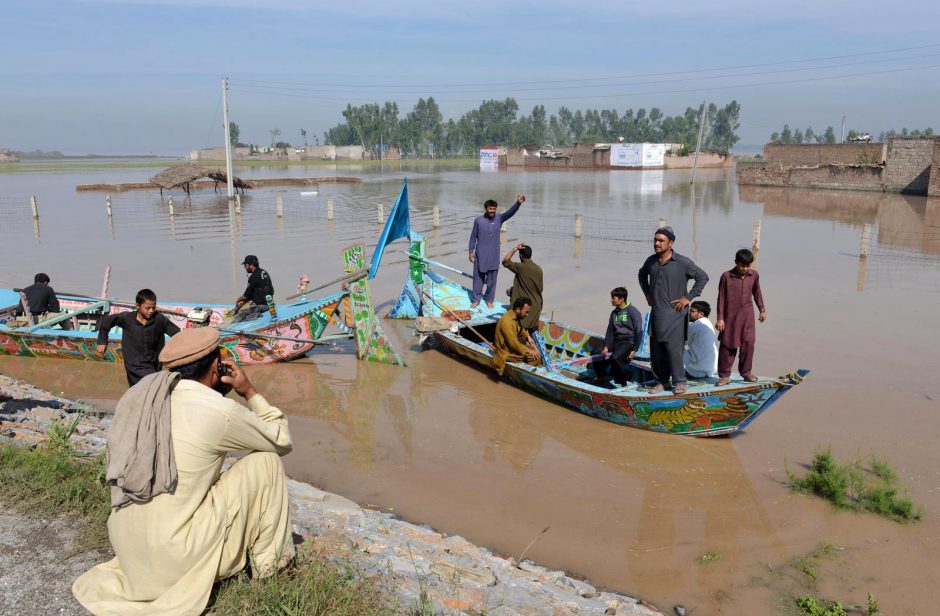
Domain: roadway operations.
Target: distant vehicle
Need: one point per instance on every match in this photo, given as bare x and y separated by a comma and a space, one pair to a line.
862, 137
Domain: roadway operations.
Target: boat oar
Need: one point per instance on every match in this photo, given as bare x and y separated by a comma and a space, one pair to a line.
318, 341
350, 277
436, 264
459, 320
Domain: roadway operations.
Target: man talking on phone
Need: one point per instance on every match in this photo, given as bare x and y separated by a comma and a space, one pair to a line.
178, 523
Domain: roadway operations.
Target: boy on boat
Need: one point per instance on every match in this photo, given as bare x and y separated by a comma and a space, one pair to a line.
701, 345
737, 289
511, 342
484, 249
623, 338
143, 334
253, 301
527, 283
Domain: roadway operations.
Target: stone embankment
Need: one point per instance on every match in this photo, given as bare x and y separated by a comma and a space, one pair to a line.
414, 564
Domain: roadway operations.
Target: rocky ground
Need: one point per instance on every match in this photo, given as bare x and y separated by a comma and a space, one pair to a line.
409, 561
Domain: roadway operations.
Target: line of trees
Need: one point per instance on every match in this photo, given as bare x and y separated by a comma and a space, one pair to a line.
927, 132
422, 132
788, 135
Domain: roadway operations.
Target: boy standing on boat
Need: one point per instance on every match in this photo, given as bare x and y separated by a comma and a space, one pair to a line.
528, 283
623, 336
511, 340
143, 334
737, 288
484, 249
664, 279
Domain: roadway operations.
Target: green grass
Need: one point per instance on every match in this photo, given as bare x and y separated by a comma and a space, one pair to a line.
813, 606
708, 557
312, 586
51, 480
873, 488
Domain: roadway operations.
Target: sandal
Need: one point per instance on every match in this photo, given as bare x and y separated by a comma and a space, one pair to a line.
723, 381
750, 378
679, 389
657, 389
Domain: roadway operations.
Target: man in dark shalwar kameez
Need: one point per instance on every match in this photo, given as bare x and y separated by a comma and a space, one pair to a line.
484, 249
737, 289
664, 279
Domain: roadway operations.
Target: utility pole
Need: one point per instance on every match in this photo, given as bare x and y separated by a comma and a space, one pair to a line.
228, 141
698, 144
843, 130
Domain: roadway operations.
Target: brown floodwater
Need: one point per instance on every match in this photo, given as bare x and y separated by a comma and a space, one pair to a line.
439, 442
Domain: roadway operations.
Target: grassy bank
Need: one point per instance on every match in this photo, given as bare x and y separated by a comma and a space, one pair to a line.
91, 164
51, 481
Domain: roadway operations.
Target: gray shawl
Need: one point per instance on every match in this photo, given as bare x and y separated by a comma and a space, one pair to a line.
141, 463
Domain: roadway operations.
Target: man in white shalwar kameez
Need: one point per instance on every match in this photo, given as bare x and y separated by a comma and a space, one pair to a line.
171, 549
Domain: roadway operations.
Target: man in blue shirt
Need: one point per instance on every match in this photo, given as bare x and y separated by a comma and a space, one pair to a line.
484, 249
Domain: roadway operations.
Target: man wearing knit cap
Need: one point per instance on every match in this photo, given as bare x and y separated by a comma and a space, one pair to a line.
178, 523
664, 279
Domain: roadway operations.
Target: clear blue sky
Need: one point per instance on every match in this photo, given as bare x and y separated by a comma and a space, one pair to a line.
138, 76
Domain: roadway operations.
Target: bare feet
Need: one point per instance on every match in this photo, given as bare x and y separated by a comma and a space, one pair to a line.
723, 381
474, 304
679, 389
750, 378
489, 305
656, 389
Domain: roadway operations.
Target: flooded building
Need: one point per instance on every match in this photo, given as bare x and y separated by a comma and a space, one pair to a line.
907, 165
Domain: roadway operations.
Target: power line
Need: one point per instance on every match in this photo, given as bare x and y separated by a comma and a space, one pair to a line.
586, 79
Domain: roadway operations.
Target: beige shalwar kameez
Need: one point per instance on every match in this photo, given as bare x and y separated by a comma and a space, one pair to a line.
170, 551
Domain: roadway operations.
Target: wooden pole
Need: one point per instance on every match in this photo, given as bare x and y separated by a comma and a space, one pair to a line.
170, 204
381, 213
755, 244
459, 320
238, 204
280, 206
437, 217
577, 225
865, 247
105, 282
107, 204
34, 206
662, 223
329, 209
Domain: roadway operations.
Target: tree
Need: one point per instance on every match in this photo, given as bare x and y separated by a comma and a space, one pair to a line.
786, 135
233, 133
303, 135
830, 136
809, 136
853, 135
775, 136
275, 133
798, 136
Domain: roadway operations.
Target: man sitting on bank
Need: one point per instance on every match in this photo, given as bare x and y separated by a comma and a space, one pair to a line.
178, 523
511, 340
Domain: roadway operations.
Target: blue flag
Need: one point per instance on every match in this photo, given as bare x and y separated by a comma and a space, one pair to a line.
397, 226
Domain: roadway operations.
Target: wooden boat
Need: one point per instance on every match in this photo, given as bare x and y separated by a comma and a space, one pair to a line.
569, 355
298, 327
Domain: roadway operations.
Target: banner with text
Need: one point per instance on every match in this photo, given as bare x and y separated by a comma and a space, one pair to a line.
637, 154
489, 159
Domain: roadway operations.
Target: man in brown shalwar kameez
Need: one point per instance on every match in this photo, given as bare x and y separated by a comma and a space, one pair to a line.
511, 341
737, 288
528, 283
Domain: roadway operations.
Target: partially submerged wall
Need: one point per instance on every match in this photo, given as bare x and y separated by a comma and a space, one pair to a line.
825, 153
844, 177
907, 169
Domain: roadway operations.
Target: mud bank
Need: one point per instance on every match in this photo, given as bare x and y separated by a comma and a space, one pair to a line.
407, 560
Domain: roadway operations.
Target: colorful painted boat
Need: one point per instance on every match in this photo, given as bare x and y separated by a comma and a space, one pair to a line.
568, 376
298, 327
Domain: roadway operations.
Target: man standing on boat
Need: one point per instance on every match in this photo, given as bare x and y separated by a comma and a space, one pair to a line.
143, 333
528, 283
511, 341
484, 249
253, 301
664, 279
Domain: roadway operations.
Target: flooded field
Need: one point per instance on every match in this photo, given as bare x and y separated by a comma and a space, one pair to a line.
441, 443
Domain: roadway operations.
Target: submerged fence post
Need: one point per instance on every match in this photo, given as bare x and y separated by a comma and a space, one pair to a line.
34, 206
662, 223
865, 247
577, 225
280, 206
329, 209
755, 244
238, 204
107, 205
437, 217
169, 202
381, 213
